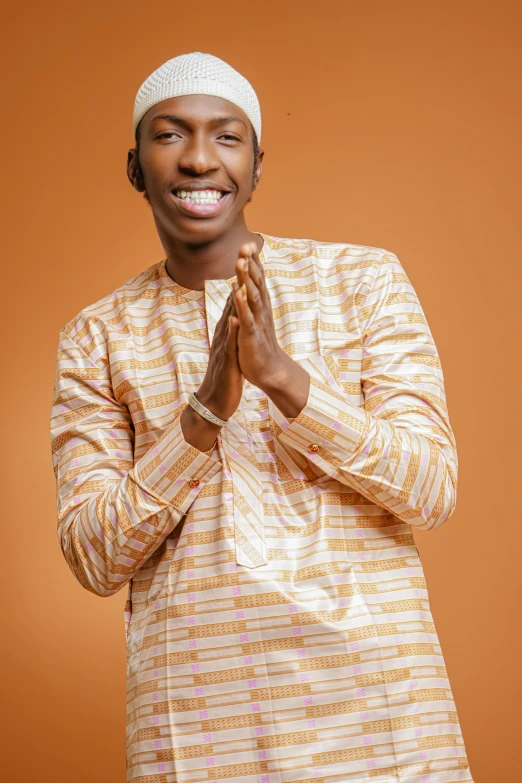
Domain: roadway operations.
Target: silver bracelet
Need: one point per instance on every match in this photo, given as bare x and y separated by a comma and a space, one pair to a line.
208, 415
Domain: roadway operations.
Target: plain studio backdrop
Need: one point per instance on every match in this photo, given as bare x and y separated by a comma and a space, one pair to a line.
393, 124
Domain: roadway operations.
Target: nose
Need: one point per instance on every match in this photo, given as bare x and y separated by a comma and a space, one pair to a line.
199, 155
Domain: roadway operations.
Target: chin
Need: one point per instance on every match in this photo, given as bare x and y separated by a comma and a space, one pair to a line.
202, 233
199, 231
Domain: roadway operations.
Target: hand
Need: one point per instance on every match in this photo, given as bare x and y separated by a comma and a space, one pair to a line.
222, 386
261, 359
260, 356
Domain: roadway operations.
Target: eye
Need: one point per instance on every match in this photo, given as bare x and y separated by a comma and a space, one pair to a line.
167, 134
229, 136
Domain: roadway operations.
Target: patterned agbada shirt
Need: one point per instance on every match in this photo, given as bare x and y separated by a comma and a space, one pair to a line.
277, 622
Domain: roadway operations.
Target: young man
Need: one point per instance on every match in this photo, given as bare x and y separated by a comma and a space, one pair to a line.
245, 434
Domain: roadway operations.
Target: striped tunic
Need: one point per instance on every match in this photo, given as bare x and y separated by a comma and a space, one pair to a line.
277, 621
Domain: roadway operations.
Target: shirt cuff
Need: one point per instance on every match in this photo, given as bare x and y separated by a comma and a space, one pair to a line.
174, 471
329, 430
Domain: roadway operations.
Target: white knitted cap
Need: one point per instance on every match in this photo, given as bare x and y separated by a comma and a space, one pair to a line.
198, 73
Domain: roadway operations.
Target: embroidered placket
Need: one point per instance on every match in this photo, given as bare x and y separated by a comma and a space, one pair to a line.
237, 443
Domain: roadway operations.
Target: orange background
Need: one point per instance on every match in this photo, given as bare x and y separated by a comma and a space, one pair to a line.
393, 124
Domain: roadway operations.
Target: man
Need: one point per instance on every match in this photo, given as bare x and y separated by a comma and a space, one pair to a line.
245, 434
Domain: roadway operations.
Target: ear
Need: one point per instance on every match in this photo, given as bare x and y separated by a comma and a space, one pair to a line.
133, 171
258, 169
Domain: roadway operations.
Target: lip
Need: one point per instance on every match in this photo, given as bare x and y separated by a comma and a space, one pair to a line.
201, 210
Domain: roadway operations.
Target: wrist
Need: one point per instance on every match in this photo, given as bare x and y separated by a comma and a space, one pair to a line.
278, 374
205, 412
198, 431
288, 387
208, 400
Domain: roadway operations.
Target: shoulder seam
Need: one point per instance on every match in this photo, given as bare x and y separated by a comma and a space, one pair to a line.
68, 334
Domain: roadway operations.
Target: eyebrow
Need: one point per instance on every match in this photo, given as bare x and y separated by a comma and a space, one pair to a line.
181, 121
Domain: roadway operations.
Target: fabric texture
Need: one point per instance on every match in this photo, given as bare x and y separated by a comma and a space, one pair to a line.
277, 619
198, 73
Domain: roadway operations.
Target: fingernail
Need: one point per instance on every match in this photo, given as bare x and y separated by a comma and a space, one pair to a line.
243, 291
245, 265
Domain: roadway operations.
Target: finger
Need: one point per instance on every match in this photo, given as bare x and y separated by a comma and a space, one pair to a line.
220, 334
254, 297
247, 250
255, 274
255, 254
256, 269
253, 292
233, 328
230, 342
221, 324
244, 313
241, 269
233, 309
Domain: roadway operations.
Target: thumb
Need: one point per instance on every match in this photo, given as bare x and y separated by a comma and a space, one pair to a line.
233, 327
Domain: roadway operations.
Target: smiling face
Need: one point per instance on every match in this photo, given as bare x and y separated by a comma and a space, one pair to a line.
197, 165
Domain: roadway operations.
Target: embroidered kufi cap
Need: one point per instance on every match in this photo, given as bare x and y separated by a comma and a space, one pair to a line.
198, 73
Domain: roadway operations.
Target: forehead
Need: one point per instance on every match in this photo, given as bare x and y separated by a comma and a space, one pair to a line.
195, 110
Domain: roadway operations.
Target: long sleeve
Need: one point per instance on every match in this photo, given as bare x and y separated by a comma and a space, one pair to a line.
113, 513
399, 450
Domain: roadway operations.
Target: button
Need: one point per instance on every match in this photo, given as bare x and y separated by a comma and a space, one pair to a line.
194, 482
313, 447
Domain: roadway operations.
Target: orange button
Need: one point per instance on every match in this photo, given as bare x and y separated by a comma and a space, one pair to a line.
313, 447
194, 482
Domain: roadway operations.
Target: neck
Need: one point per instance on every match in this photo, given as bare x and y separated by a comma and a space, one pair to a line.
190, 265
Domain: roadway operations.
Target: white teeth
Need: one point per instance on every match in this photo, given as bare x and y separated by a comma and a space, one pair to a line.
200, 196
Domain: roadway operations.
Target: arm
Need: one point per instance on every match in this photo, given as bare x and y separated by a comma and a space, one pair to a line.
398, 451
113, 514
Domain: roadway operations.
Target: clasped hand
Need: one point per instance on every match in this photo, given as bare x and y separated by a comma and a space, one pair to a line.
261, 359
245, 346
